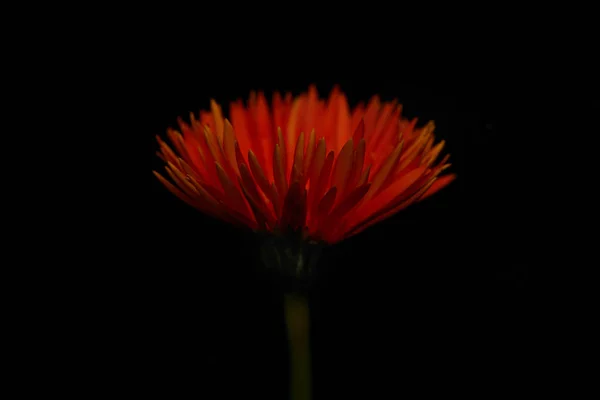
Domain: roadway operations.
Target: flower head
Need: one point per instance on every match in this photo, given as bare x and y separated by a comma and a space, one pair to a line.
303, 164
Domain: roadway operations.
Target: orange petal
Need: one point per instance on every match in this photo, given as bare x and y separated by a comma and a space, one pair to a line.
259, 217
298, 165
323, 208
212, 145
218, 117
278, 111
189, 170
343, 165
388, 211
174, 138
168, 154
191, 156
358, 161
310, 116
331, 224
229, 146
279, 173
232, 196
190, 132
343, 120
310, 152
359, 133
175, 191
239, 158
358, 114
264, 129
315, 171
209, 195
327, 202
438, 185
251, 193
370, 117
321, 185
389, 133
380, 124
293, 214
388, 195
281, 143
430, 157
348, 203
275, 200
365, 176
384, 172
293, 129
319, 160
179, 178
416, 147
262, 181
239, 121
257, 172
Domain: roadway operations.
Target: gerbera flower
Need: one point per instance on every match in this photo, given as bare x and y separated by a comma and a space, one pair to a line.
303, 164
303, 168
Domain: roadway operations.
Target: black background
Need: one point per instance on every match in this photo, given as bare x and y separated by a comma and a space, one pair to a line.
440, 297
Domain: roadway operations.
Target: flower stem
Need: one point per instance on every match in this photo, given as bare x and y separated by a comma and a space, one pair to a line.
297, 322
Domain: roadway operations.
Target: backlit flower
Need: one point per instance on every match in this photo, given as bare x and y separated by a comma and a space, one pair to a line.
303, 164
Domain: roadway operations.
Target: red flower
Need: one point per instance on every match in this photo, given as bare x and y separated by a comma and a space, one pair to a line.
303, 163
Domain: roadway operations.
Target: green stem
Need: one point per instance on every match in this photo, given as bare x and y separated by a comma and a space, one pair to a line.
297, 322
